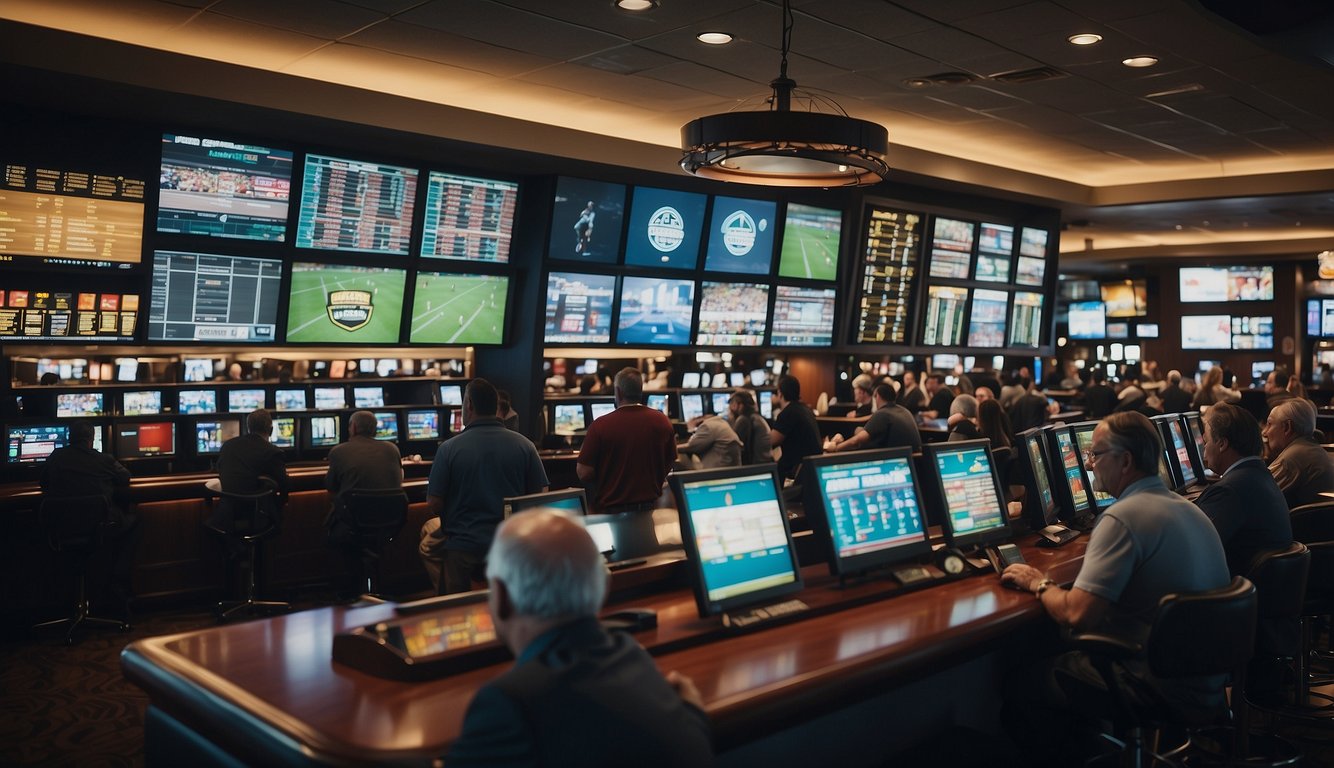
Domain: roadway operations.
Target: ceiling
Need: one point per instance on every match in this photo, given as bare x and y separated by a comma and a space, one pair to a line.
1224, 148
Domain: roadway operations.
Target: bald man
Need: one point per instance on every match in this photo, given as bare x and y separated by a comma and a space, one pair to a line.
576, 695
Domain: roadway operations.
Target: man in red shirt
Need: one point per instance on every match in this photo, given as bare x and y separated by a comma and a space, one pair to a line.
627, 453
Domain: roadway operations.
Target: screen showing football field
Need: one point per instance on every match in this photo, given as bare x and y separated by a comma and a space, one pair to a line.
458, 309
337, 304
810, 243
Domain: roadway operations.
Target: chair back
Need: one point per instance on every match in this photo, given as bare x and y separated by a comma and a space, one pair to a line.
377, 515
1320, 580
1280, 580
248, 514
1313, 522
1203, 633
74, 522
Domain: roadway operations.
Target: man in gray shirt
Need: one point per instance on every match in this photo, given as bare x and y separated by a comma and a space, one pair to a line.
360, 464
891, 426
714, 442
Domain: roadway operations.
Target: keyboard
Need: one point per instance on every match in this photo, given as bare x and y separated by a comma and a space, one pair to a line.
1057, 535
753, 616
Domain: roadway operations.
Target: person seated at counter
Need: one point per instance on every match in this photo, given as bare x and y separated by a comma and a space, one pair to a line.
938, 407
1301, 466
750, 428
713, 443
627, 453
249, 464
577, 694
795, 429
862, 388
962, 421
471, 475
891, 426
1099, 399
78, 469
910, 394
1030, 409
1149, 543
1173, 398
360, 464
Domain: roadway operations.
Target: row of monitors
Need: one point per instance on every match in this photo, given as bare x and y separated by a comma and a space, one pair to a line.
1088, 320
190, 401
572, 416
204, 436
1058, 481
1130, 298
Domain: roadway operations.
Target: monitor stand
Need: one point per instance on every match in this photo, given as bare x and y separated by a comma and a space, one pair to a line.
749, 617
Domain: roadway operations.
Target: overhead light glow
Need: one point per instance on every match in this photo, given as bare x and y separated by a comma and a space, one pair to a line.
1084, 38
1140, 61
714, 38
635, 5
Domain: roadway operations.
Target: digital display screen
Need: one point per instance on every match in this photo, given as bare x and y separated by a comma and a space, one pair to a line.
1175, 429
324, 431
1087, 320
1072, 464
740, 534
221, 188
810, 242
587, 218
889, 276
84, 316
986, 324
71, 218
871, 506
191, 401
732, 314
1146, 330
197, 369
951, 248
1026, 325
459, 309
943, 323
345, 305
330, 398
206, 297
1030, 271
210, 435
72, 404
284, 432
601, 409
659, 403
1084, 443
31, 444
244, 400
994, 246
1206, 332
692, 406
1118, 330
741, 236
569, 419
368, 397
147, 403
655, 311
1252, 332
579, 308
451, 394
803, 317
665, 229
423, 425
569, 502
1033, 242
1037, 463
468, 218
386, 425
350, 205
289, 400
1126, 298
144, 441
972, 504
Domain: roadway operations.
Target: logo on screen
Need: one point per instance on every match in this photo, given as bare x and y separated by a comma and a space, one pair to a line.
666, 229
350, 310
739, 230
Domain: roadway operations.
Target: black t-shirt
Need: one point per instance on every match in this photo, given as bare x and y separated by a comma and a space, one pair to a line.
801, 436
893, 427
940, 402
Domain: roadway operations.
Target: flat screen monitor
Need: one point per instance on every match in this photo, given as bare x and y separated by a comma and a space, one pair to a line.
690, 379
1083, 432
468, 218
244, 400
570, 501
803, 317
665, 228
692, 405
1068, 474
995, 249
192, 401
143, 403
736, 379
587, 218
220, 188
386, 425
339, 304
986, 322
30, 444
213, 298
330, 398
569, 419
871, 507
1146, 330
1226, 284
943, 322
1260, 370
888, 275
732, 314
1125, 298
1172, 431
451, 308
1032, 265
601, 409
1206, 332
741, 236
70, 217
767, 404
66, 314
811, 239
1195, 440
1087, 320
655, 310
1026, 320
1252, 332
322, 431
951, 248
289, 400
127, 369
734, 529
424, 425
284, 432
75, 404
969, 488
659, 403
451, 394
1118, 330
1040, 507
456, 421
352, 205
368, 397
578, 308
211, 434
197, 369
145, 440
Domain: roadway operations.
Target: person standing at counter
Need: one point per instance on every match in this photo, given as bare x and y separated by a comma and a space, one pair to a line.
360, 464
577, 694
795, 430
470, 477
627, 453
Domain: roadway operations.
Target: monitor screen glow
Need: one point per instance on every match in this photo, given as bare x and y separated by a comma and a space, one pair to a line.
33, 443
665, 228
655, 311
368, 397
146, 403
244, 400
872, 508
468, 218
323, 431
741, 236
1088, 320
587, 220
284, 432
340, 304
352, 205
330, 398
810, 242
210, 435
578, 308
74, 404
191, 401
213, 298
386, 426
458, 309
219, 188
289, 400
451, 394
732, 314
803, 317
692, 406
569, 419
974, 508
424, 425
1206, 332
145, 441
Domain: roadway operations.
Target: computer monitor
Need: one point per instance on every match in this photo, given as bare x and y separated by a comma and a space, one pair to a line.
1040, 507
690, 380
871, 508
1195, 443
386, 426
569, 419
147, 440
284, 432
965, 477
321, 431
737, 378
244, 400
1172, 432
197, 369
766, 404
368, 397
601, 409
32, 443
692, 405
720, 402
289, 400
456, 421
75, 404
661, 403
570, 501
1071, 484
737, 543
193, 401
330, 398
144, 403
451, 394
212, 433
1083, 432
424, 424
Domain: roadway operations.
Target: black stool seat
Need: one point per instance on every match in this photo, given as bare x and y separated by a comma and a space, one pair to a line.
75, 527
376, 518
247, 519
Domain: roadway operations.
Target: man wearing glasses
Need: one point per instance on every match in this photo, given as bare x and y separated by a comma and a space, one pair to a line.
1148, 544
1300, 465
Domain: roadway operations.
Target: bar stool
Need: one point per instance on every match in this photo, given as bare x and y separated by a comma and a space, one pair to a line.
246, 519
376, 517
75, 528
1313, 524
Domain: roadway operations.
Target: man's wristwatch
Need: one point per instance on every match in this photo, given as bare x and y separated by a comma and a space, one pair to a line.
1042, 586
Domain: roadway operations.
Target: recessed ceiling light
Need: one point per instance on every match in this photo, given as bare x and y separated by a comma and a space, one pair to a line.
1140, 61
635, 5
1085, 38
714, 38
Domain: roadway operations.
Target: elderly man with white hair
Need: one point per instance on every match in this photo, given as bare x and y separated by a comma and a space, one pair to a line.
1300, 465
577, 695
963, 419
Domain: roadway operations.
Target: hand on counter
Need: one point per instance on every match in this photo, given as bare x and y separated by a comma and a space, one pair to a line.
685, 688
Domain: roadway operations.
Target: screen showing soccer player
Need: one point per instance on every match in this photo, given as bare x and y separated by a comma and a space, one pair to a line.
587, 217
450, 308
810, 242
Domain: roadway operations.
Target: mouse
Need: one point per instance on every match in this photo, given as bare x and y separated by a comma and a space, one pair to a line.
631, 619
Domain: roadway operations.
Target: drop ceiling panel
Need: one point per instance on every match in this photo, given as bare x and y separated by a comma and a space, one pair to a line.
627, 89
317, 18
972, 97
604, 16
511, 28
705, 79
876, 18
242, 42
957, 9
436, 45
1021, 22
383, 6
628, 59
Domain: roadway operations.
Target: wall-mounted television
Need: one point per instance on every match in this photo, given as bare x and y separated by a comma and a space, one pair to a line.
586, 221
368, 397
78, 315
196, 369
468, 218
951, 248
208, 297
141, 403
1118, 330
1087, 320
339, 304
1223, 284
943, 323
76, 404
354, 205
145, 440
1146, 330
211, 434
732, 314
32, 443
995, 246
70, 217
986, 322
811, 238
451, 394
220, 188
192, 401
459, 309
665, 228
289, 400
655, 311
741, 236
1252, 332
1206, 332
1026, 322
330, 398
888, 275
803, 317
578, 308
